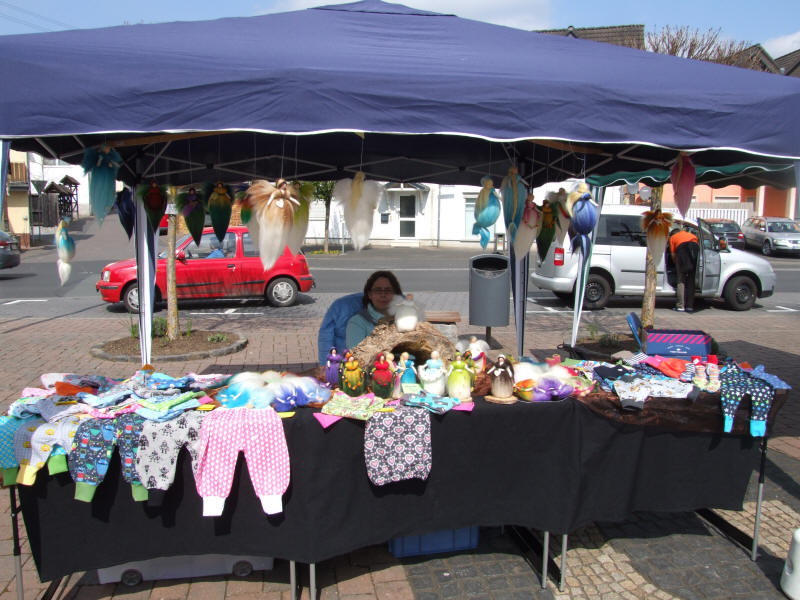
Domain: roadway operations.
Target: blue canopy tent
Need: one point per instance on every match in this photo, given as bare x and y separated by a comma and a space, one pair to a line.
438, 98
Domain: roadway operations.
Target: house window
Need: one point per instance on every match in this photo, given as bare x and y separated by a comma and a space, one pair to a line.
408, 215
726, 199
384, 218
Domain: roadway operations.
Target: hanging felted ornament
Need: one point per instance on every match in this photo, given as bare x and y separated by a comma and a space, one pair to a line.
303, 194
528, 228
101, 164
220, 206
154, 198
126, 211
273, 217
656, 225
514, 193
359, 199
487, 209
584, 217
190, 204
682, 178
65, 250
554, 218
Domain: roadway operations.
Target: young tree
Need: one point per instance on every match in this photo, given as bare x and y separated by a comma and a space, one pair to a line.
701, 45
323, 191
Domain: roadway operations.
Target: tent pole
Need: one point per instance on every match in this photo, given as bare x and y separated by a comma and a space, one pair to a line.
797, 189
583, 272
145, 279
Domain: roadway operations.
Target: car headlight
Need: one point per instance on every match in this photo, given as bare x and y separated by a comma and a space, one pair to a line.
106, 276
783, 243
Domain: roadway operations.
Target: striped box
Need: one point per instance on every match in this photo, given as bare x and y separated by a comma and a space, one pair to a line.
677, 342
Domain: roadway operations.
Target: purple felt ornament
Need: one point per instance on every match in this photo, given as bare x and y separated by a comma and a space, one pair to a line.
548, 389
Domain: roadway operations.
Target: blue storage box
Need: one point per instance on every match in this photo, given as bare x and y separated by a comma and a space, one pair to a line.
448, 540
676, 342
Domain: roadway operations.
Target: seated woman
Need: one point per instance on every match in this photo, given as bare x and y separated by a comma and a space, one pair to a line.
379, 290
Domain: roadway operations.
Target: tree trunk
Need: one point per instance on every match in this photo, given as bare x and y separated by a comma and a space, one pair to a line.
173, 327
650, 280
327, 222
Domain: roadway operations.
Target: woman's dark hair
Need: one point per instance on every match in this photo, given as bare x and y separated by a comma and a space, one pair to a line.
373, 278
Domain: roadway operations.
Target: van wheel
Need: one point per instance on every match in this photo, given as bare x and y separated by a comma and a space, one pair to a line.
281, 291
766, 249
567, 298
740, 293
130, 297
597, 292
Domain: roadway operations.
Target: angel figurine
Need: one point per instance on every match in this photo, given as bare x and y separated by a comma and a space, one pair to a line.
477, 350
102, 165
405, 311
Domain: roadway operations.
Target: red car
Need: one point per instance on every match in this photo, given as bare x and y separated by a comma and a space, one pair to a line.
232, 269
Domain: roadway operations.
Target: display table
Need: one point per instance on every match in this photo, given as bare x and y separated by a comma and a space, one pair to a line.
550, 466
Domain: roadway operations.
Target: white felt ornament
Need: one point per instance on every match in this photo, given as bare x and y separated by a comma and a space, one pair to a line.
273, 218
358, 199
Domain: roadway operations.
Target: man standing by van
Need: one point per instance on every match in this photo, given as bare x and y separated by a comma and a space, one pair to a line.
684, 249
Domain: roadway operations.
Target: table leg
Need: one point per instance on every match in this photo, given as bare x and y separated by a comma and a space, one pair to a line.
293, 578
16, 550
563, 562
545, 556
312, 581
757, 524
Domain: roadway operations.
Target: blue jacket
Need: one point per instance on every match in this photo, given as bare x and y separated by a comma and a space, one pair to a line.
333, 329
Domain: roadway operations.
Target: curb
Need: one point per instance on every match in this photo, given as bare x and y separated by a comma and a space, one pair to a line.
238, 345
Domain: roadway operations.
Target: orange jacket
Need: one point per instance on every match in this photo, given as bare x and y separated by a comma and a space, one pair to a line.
679, 238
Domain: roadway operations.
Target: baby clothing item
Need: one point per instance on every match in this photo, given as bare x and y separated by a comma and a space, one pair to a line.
735, 384
773, 380
8, 460
258, 433
54, 408
431, 402
93, 447
40, 442
688, 372
159, 445
354, 407
397, 445
112, 396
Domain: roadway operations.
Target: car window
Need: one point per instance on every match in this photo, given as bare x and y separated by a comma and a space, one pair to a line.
248, 246
210, 247
783, 227
724, 226
620, 230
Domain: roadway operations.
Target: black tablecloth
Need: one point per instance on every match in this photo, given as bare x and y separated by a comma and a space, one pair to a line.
549, 466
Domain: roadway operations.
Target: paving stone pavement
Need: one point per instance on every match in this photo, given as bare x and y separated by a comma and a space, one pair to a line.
676, 555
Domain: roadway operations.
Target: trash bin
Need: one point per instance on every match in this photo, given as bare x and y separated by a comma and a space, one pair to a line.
489, 290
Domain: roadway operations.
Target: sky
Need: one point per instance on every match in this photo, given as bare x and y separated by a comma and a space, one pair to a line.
775, 24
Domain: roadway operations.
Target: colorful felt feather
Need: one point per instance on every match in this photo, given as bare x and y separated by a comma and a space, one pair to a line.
154, 198
65, 250
303, 193
656, 225
273, 218
126, 211
528, 228
514, 193
190, 205
584, 217
487, 210
358, 199
220, 206
101, 164
682, 178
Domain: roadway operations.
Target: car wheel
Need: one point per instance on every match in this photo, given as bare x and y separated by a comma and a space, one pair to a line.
597, 292
282, 291
131, 578
766, 248
242, 569
130, 297
567, 298
740, 293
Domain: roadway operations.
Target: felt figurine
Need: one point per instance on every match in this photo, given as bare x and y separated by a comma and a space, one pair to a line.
584, 217
554, 218
487, 209
514, 194
190, 204
126, 211
333, 365
302, 193
656, 225
382, 377
154, 198
397, 390
102, 165
406, 313
528, 228
459, 379
502, 374
477, 350
359, 199
467, 357
682, 178
550, 388
408, 370
433, 375
220, 207
273, 218
352, 381
65, 249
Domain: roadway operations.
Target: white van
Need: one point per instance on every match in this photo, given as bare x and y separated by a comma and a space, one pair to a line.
618, 264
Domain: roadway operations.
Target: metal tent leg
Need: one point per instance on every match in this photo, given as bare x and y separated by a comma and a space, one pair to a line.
16, 550
312, 581
563, 574
754, 551
545, 556
293, 578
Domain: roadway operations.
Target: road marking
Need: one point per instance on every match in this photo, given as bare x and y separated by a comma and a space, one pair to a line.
781, 309
547, 310
230, 311
17, 301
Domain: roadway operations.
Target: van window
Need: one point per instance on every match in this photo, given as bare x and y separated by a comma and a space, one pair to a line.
620, 230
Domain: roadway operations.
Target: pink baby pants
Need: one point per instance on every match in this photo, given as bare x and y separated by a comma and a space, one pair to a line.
259, 434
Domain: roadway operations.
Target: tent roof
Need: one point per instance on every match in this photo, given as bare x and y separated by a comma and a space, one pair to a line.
441, 99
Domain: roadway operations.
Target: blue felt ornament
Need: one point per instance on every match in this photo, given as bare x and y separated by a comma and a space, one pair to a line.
487, 210
101, 164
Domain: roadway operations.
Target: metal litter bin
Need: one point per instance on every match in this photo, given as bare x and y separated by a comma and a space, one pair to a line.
489, 290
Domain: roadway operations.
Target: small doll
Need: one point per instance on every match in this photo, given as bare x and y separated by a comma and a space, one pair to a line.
219, 208
332, 367
477, 350
405, 311
352, 380
155, 204
194, 215
433, 375
409, 371
382, 377
459, 379
502, 374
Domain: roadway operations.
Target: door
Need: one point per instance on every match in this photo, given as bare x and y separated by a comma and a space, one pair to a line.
206, 271
627, 246
250, 278
408, 216
709, 263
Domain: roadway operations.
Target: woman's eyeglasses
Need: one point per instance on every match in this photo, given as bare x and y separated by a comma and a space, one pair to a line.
382, 291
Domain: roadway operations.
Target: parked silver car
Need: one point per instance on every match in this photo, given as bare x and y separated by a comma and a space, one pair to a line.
9, 251
618, 264
772, 234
